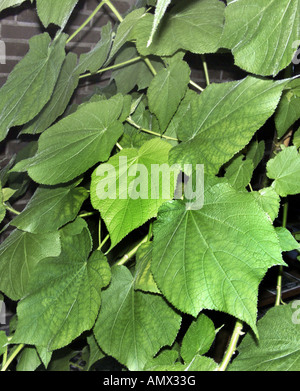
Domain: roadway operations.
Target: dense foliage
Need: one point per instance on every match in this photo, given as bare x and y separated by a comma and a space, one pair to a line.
137, 278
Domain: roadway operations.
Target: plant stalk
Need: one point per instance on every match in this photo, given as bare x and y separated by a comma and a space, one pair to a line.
132, 252
11, 357
237, 332
131, 122
279, 278
205, 70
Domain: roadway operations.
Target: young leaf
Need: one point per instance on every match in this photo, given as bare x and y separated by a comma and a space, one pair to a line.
51, 208
94, 60
261, 34
126, 204
19, 255
285, 170
286, 239
288, 110
160, 10
239, 173
55, 11
64, 293
166, 90
31, 83
63, 91
215, 256
222, 120
76, 143
278, 348
198, 338
179, 27
132, 326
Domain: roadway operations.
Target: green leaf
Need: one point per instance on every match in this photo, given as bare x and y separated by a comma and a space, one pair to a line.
64, 293
288, 110
199, 364
221, 121
239, 172
3, 341
77, 142
63, 91
179, 27
215, 256
144, 279
30, 85
296, 139
94, 60
268, 200
125, 30
198, 338
166, 357
261, 34
28, 360
126, 204
52, 11
19, 255
95, 353
135, 74
256, 152
160, 10
2, 207
285, 170
132, 326
10, 3
278, 348
286, 239
51, 208
166, 90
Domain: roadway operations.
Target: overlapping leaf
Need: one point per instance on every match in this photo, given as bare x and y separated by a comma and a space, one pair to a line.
64, 293
125, 204
76, 143
51, 208
285, 170
10, 3
55, 11
222, 120
179, 27
19, 255
261, 34
31, 83
215, 256
239, 172
132, 326
278, 348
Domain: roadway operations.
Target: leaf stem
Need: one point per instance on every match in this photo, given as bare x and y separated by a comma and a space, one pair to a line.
103, 242
114, 10
279, 278
12, 356
131, 122
86, 21
132, 252
237, 332
10, 209
192, 83
121, 64
205, 69
87, 214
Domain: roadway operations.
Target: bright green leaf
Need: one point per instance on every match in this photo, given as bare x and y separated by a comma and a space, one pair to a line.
64, 293
63, 91
261, 34
166, 357
51, 208
132, 326
166, 90
160, 10
268, 200
215, 256
198, 338
288, 110
221, 121
76, 143
286, 239
19, 255
30, 85
239, 172
55, 11
125, 204
278, 348
199, 364
180, 27
285, 170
